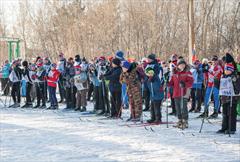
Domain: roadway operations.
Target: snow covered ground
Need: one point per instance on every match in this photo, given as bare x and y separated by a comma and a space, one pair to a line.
33, 135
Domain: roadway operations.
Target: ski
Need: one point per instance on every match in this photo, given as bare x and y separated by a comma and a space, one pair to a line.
145, 124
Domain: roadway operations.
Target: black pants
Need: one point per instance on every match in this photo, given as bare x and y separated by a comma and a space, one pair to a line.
181, 107
46, 90
146, 94
103, 98
61, 89
15, 93
116, 102
96, 98
40, 93
196, 95
5, 86
156, 110
70, 97
28, 93
90, 91
227, 115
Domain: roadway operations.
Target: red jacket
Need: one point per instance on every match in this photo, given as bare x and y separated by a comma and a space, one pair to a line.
215, 72
177, 77
52, 78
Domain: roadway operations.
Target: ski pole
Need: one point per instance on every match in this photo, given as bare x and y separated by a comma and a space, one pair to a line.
205, 109
230, 113
167, 105
181, 109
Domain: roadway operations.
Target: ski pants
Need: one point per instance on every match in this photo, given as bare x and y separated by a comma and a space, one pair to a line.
229, 116
181, 107
215, 92
116, 103
15, 93
52, 95
40, 93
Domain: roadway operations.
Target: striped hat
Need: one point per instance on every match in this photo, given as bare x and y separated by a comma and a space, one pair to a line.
229, 67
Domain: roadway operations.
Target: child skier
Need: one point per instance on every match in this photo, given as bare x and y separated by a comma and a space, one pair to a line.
181, 82
155, 84
229, 102
52, 80
131, 78
80, 81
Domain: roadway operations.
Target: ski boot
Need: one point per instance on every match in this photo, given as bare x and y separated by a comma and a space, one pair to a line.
83, 109
214, 115
178, 124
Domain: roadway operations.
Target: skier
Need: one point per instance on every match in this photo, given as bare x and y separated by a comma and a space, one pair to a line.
47, 68
15, 77
29, 83
94, 79
61, 67
52, 80
40, 84
155, 84
229, 119
80, 81
181, 82
172, 69
6, 69
115, 87
196, 92
214, 75
131, 78
69, 84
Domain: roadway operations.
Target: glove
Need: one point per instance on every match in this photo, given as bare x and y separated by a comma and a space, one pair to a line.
101, 77
150, 79
182, 84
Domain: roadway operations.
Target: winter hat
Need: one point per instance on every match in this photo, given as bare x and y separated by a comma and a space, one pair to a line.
15, 62
144, 60
61, 54
181, 61
25, 63
126, 64
46, 58
119, 55
101, 58
40, 62
197, 62
38, 58
214, 58
149, 71
159, 60
152, 56
32, 67
229, 58
54, 65
116, 61
77, 58
70, 59
174, 58
229, 67
84, 59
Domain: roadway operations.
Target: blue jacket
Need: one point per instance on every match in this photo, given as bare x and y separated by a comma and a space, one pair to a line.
94, 79
114, 79
198, 77
6, 71
155, 84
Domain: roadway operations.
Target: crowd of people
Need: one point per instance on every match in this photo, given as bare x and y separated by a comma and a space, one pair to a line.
116, 83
